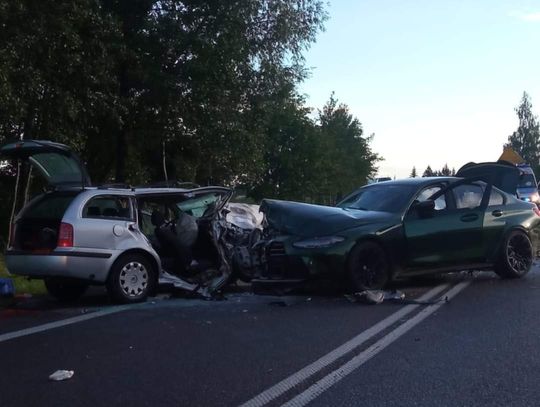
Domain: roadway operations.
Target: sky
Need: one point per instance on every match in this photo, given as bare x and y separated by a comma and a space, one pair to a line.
435, 81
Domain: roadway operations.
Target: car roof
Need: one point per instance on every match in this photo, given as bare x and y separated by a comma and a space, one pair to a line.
418, 181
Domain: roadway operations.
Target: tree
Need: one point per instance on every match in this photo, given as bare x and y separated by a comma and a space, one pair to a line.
445, 172
413, 173
428, 172
346, 159
526, 139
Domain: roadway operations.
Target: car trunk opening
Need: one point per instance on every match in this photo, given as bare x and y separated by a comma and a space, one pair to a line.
37, 227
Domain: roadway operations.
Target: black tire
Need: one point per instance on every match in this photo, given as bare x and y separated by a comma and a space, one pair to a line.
368, 267
131, 279
515, 256
65, 289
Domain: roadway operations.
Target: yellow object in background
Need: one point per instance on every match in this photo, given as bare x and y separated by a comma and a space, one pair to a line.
511, 156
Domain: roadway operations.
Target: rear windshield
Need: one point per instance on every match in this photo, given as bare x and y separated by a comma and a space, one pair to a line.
50, 206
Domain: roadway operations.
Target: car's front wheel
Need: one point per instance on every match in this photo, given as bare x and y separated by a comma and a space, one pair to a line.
516, 256
131, 279
65, 289
368, 267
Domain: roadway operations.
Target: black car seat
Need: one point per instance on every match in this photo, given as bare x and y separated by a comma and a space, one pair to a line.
93, 211
170, 246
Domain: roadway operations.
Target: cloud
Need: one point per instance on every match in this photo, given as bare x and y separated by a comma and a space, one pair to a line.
531, 16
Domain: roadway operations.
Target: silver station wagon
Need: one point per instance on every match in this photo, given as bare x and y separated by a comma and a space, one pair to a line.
129, 239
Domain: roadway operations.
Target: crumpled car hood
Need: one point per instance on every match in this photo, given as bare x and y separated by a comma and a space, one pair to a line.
307, 220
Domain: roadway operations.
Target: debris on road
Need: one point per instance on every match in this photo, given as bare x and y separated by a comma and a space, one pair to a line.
60, 375
7, 289
375, 296
378, 296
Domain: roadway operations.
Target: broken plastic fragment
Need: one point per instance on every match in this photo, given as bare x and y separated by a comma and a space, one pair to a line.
61, 375
375, 296
367, 297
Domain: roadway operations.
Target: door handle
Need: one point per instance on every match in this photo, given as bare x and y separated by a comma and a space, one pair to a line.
497, 213
470, 217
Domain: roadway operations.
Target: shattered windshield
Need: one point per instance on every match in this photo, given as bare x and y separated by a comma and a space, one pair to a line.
382, 198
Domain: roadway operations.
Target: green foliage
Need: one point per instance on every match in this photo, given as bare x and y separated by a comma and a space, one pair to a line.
22, 284
201, 91
345, 159
413, 173
526, 139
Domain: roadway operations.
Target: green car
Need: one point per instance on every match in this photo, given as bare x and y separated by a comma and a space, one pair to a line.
402, 228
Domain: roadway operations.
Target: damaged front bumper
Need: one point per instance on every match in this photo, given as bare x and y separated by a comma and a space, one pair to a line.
285, 265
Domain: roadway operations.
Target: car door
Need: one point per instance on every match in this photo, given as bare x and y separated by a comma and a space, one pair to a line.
452, 234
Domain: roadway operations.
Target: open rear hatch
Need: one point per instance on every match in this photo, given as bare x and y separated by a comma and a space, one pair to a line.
60, 166
38, 225
501, 174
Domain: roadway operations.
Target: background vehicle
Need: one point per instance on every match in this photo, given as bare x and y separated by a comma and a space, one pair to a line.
130, 240
406, 227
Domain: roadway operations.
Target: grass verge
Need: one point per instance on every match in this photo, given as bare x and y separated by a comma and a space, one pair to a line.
22, 284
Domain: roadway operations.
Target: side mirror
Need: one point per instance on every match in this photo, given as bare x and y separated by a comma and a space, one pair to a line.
425, 209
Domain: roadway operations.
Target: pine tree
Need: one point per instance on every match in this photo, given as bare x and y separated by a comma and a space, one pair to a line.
526, 139
413, 173
428, 172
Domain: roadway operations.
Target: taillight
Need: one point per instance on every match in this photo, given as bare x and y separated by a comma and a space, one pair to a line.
65, 235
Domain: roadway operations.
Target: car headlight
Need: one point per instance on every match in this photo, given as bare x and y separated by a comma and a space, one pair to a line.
535, 197
318, 242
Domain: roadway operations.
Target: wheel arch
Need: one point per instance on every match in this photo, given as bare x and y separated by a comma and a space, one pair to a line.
514, 228
153, 262
385, 246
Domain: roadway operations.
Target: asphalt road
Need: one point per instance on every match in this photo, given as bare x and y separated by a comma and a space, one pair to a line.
477, 348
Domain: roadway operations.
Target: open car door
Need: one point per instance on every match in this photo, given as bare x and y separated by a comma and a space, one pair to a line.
60, 166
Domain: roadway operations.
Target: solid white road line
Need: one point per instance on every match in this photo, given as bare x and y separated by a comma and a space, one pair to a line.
328, 381
308, 371
64, 322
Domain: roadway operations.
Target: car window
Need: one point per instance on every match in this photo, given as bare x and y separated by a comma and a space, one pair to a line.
51, 206
496, 198
468, 196
108, 207
440, 202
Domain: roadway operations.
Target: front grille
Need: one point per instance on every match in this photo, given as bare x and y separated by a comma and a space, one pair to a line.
276, 249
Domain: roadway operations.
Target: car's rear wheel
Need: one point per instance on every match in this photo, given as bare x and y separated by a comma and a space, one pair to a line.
131, 279
516, 256
368, 267
65, 289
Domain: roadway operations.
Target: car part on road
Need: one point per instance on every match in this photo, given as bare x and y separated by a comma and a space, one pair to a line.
375, 296
60, 375
516, 256
65, 289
